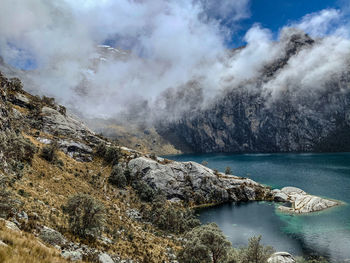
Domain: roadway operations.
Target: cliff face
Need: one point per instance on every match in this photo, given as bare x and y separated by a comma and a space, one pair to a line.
241, 123
247, 119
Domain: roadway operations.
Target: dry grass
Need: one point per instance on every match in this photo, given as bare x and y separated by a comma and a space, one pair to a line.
49, 186
23, 247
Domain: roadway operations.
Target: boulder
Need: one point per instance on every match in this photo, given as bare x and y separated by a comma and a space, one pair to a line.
20, 100
10, 225
54, 122
302, 202
105, 258
191, 181
77, 150
281, 257
2, 244
52, 237
73, 255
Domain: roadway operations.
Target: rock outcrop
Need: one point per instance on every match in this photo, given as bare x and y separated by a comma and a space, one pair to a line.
281, 257
193, 182
190, 181
300, 201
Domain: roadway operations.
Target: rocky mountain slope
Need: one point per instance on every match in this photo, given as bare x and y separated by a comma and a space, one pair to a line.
139, 203
247, 119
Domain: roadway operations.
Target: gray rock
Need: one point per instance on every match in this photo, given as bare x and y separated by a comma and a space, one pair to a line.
281, 257
279, 196
52, 237
74, 255
21, 100
133, 214
44, 140
22, 216
77, 150
194, 182
105, 258
292, 190
2, 244
10, 225
301, 202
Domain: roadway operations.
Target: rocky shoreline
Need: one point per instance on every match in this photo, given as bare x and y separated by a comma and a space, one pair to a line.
199, 185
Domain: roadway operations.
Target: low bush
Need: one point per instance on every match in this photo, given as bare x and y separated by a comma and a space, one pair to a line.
168, 217
228, 170
110, 154
86, 216
117, 177
255, 252
205, 243
144, 191
8, 205
17, 148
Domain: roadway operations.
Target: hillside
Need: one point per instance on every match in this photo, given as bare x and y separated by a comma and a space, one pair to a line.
73, 195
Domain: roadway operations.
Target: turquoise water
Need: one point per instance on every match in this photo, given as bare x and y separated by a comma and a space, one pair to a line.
325, 233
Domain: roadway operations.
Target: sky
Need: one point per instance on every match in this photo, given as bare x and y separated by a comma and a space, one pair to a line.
274, 14
178, 50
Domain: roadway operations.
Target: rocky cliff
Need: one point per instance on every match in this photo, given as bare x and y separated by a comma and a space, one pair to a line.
249, 118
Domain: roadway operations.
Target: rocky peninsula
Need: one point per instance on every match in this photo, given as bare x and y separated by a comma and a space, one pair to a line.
198, 184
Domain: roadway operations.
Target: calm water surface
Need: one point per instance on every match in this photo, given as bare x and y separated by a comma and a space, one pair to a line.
326, 233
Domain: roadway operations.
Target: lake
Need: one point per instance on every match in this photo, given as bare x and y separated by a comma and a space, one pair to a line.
325, 233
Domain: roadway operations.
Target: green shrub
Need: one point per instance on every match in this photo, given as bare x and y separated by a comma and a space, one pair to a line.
101, 149
17, 148
110, 155
144, 191
228, 170
86, 216
117, 177
8, 205
170, 218
255, 252
205, 243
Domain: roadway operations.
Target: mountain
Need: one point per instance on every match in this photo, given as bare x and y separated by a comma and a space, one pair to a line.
249, 119
71, 194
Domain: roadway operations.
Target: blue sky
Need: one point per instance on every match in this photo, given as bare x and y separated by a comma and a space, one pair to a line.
274, 14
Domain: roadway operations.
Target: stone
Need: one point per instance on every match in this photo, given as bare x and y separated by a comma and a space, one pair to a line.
10, 225
195, 182
281, 257
21, 100
2, 244
52, 237
292, 190
133, 214
77, 150
105, 258
44, 140
279, 196
301, 202
73, 255
22, 216
54, 122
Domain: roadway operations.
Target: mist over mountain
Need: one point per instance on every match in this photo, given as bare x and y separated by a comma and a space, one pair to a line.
169, 65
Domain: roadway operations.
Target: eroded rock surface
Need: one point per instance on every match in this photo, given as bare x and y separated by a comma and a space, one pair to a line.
301, 202
191, 181
281, 257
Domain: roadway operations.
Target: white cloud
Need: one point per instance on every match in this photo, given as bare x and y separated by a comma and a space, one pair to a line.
169, 45
320, 23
